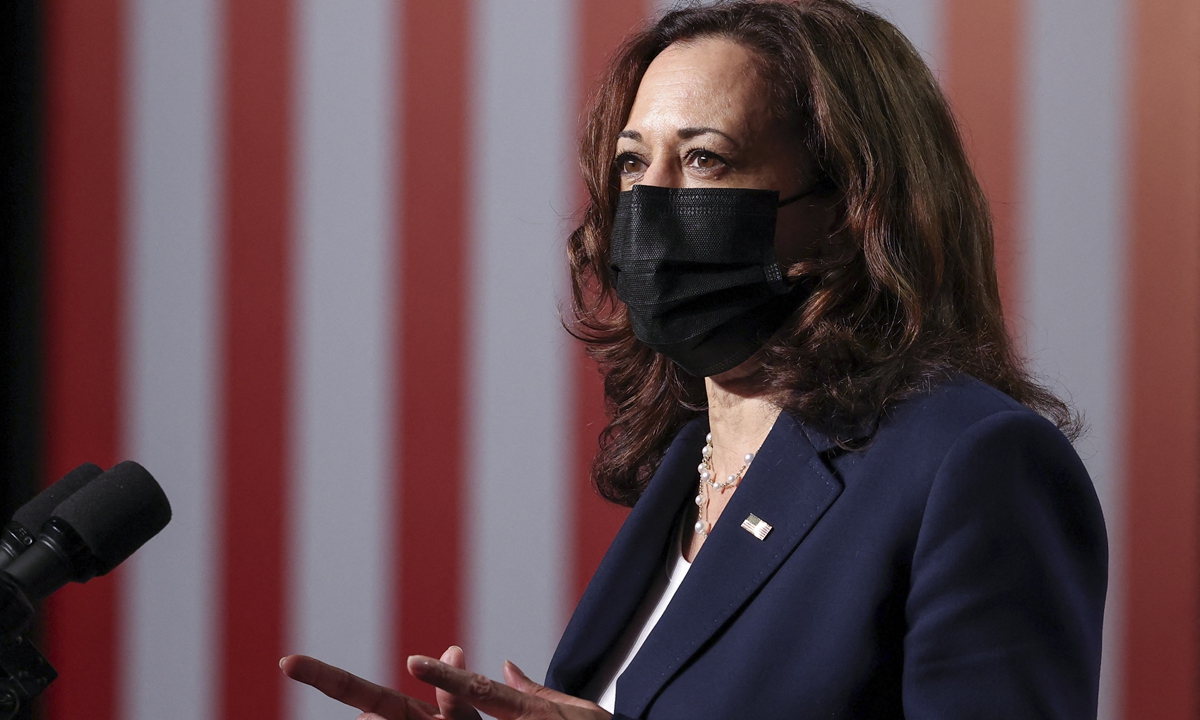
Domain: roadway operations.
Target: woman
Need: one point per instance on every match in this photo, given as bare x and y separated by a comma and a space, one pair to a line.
844, 505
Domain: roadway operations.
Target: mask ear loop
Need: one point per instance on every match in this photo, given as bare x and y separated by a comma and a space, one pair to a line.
819, 184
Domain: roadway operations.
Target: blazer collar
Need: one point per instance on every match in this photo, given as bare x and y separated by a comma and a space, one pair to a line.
788, 486
638, 551
821, 442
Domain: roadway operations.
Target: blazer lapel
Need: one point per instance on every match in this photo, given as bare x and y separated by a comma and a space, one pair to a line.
787, 486
629, 566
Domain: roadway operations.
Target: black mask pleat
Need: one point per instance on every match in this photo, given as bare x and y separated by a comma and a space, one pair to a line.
696, 269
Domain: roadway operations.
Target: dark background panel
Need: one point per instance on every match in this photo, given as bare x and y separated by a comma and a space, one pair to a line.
20, 193
19, 258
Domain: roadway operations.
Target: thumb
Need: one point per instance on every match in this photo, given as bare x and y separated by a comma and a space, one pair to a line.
451, 706
514, 678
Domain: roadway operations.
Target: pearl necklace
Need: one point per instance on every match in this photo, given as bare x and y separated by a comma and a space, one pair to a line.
706, 478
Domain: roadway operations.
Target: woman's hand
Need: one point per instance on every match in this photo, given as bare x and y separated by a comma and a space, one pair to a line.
459, 692
374, 700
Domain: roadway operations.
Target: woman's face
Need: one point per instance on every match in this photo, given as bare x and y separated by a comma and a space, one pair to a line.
702, 118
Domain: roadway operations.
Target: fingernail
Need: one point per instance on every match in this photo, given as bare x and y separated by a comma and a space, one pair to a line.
281, 662
455, 647
419, 662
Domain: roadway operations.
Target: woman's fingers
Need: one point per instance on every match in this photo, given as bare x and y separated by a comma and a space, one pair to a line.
354, 691
451, 706
493, 698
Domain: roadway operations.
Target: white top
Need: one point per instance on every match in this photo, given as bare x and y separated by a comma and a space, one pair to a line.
603, 687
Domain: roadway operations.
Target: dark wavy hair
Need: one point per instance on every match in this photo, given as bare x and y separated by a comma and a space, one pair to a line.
908, 296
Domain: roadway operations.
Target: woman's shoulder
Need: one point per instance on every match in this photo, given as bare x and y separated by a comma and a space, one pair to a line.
928, 425
954, 404
965, 430
963, 436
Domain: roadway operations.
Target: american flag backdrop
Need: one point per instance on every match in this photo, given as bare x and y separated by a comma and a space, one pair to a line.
304, 259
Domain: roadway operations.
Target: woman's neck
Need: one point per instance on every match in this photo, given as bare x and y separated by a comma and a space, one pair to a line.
740, 417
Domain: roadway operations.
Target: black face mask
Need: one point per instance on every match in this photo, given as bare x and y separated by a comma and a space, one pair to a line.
696, 269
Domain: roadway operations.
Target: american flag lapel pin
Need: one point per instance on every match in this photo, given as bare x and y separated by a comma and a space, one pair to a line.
756, 526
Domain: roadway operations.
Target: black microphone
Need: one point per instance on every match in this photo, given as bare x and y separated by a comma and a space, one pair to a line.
88, 534
21, 531
92, 531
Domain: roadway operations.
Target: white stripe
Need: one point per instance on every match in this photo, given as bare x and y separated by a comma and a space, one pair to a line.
1075, 227
168, 602
522, 135
342, 290
920, 21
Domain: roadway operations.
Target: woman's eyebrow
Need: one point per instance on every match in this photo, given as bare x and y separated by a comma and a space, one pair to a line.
688, 133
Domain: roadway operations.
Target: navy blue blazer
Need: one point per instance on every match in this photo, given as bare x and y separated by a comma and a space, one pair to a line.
955, 568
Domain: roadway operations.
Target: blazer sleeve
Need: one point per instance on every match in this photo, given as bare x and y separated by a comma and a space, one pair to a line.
1008, 580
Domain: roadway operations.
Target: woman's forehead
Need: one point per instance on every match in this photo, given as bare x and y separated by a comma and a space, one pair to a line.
703, 82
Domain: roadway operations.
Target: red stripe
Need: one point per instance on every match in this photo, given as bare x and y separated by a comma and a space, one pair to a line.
432, 306
83, 204
256, 235
602, 26
595, 521
1162, 582
982, 78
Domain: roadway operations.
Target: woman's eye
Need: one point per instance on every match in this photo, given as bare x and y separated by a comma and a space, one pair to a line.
705, 160
628, 164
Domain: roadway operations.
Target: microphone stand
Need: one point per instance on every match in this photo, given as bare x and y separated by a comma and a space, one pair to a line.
24, 672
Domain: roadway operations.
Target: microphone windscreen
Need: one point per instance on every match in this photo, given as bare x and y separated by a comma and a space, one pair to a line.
32, 514
117, 513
